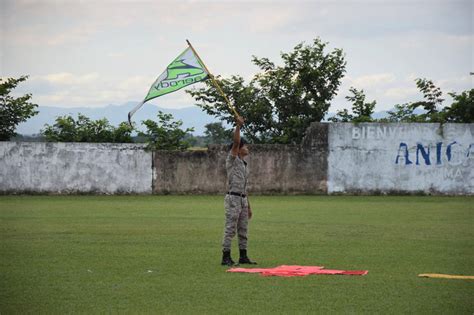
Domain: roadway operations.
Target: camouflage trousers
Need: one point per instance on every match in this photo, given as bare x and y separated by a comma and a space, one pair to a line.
236, 221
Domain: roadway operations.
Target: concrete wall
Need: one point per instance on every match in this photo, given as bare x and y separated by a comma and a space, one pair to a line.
333, 158
401, 158
273, 169
190, 171
104, 168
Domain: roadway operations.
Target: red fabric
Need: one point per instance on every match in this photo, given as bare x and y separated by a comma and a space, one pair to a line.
292, 271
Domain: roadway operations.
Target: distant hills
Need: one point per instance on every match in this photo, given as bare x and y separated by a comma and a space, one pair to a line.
191, 116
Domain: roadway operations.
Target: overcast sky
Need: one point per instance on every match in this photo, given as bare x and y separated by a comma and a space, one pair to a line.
96, 53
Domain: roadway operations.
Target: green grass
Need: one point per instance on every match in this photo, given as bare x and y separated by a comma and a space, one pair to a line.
94, 254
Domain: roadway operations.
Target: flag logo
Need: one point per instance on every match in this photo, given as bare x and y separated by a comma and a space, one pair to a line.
179, 68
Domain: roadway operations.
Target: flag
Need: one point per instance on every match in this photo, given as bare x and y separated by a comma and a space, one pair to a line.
185, 70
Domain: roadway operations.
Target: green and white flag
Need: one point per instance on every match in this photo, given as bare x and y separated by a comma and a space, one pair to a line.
185, 70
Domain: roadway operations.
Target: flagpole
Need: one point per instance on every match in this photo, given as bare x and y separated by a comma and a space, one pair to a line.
214, 81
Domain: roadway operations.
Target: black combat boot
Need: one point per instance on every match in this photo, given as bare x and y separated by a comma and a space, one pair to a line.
226, 259
244, 259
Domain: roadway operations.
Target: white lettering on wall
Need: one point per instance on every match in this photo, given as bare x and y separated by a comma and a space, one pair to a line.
372, 132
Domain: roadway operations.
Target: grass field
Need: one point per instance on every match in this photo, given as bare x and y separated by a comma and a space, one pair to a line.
161, 254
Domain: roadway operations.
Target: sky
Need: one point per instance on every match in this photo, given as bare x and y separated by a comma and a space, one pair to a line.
100, 52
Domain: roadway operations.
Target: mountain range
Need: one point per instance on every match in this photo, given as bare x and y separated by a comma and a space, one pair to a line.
115, 114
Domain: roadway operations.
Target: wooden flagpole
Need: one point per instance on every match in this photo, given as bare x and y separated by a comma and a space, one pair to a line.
232, 108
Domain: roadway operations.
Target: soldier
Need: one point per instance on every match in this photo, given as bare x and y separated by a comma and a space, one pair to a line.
237, 206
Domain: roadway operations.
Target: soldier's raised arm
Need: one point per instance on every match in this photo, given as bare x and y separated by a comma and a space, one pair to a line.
239, 122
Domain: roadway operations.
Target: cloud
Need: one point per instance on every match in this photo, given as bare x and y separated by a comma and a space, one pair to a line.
65, 78
100, 52
61, 23
79, 34
258, 19
119, 55
420, 39
456, 84
397, 93
370, 81
68, 89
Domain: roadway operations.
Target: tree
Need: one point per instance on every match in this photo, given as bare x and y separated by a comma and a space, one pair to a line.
123, 133
94, 131
462, 109
401, 113
361, 111
280, 102
165, 134
430, 105
431, 94
13, 110
64, 130
83, 129
217, 134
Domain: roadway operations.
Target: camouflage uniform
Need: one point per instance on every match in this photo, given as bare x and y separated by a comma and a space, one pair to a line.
236, 207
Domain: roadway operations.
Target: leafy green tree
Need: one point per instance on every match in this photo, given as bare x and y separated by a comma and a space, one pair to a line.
342, 115
165, 134
123, 133
13, 110
94, 130
280, 102
196, 142
217, 134
431, 94
462, 109
361, 111
63, 130
401, 113
83, 129
430, 104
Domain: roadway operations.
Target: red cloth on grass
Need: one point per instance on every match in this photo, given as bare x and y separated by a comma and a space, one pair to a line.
292, 271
